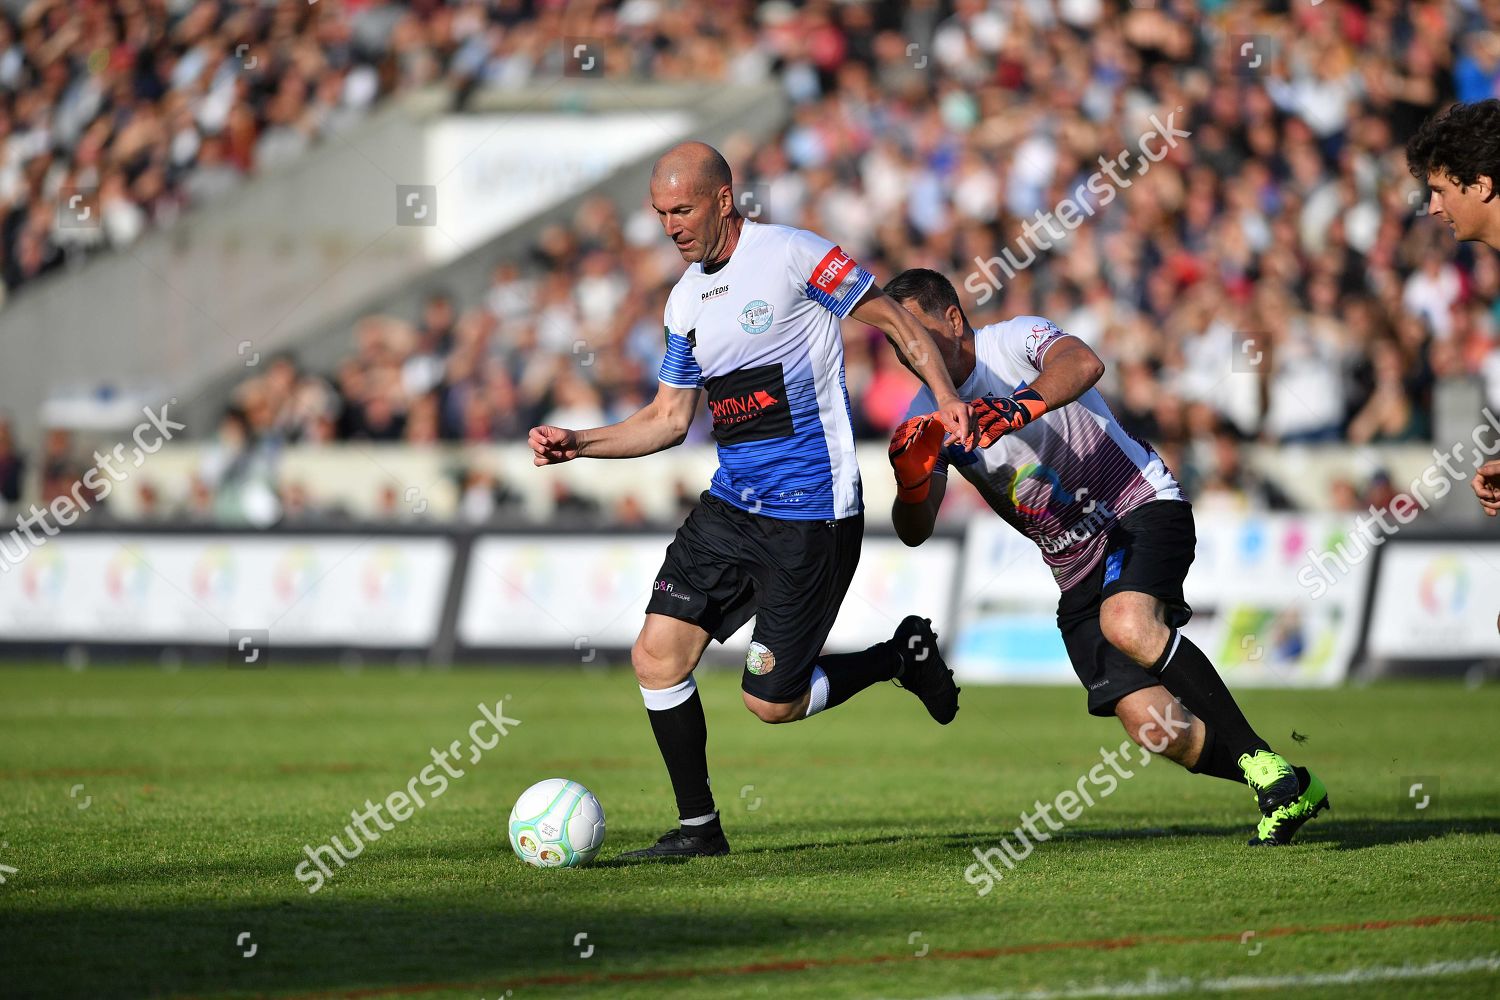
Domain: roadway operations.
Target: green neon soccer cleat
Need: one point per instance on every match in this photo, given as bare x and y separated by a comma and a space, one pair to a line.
1273, 779
1278, 829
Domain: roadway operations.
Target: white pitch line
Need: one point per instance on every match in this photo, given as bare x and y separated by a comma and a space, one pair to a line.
1155, 985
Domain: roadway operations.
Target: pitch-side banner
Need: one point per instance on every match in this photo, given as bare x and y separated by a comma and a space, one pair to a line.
1252, 616
325, 590
586, 592
1437, 601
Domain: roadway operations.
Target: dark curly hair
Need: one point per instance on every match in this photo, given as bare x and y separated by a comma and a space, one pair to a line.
931, 291
1462, 142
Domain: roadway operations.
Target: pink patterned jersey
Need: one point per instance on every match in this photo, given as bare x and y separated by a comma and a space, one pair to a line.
1066, 477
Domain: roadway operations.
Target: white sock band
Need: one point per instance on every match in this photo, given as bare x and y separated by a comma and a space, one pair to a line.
699, 820
665, 698
817, 693
1172, 649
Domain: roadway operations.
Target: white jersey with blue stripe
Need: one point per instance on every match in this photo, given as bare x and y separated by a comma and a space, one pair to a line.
760, 333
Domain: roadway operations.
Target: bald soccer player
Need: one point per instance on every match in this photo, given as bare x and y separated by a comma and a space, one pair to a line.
755, 321
1457, 152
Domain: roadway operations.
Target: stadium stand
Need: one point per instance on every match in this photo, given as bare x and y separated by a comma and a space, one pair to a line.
1283, 232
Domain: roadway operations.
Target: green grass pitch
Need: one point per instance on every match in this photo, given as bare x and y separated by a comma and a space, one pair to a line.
154, 820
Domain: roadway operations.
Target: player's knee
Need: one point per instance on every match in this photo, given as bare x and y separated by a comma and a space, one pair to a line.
654, 668
1135, 632
772, 711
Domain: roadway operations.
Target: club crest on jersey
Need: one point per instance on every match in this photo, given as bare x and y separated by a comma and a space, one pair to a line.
756, 316
1039, 335
760, 660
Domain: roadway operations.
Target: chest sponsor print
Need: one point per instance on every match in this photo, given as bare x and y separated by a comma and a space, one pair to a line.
749, 405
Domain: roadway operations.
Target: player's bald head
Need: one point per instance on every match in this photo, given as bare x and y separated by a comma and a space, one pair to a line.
694, 168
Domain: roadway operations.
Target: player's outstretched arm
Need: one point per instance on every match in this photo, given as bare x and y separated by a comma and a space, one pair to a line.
1486, 484
660, 424
917, 347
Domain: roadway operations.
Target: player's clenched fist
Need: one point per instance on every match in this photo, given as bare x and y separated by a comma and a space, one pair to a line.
997, 417
914, 454
1486, 485
955, 418
552, 445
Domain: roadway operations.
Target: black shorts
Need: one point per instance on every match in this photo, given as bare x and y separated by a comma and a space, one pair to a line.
1148, 552
726, 565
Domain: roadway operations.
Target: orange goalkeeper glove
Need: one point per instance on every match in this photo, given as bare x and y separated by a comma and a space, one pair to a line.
997, 417
914, 454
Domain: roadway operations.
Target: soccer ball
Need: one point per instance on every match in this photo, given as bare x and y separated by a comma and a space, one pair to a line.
557, 823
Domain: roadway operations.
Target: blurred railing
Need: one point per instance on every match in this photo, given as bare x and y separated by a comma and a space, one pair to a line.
365, 480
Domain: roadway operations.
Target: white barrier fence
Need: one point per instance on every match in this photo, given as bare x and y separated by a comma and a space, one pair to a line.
357, 591
503, 596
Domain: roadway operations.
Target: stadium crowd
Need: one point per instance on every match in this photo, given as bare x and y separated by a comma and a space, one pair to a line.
1271, 278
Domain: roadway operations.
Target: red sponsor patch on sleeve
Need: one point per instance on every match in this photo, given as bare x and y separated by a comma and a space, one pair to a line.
831, 270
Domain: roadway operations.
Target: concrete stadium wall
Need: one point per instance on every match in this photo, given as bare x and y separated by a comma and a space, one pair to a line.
292, 258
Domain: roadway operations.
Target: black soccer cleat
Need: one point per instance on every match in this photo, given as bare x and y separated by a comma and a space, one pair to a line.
923, 671
684, 843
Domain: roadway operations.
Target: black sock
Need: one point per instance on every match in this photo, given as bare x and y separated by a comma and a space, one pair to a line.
1216, 761
847, 674
682, 737
1191, 678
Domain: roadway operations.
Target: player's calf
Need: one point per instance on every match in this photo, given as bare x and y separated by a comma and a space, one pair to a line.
1135, 624
1159, 723
910, 657
664, 656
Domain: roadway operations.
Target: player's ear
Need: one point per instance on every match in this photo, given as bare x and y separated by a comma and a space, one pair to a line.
953, 317
1486, 186
726, 202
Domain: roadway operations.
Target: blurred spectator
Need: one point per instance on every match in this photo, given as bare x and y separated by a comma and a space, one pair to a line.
148, 502
628, 512
484, 497
12, 468
60, 471
239, 471
568, 506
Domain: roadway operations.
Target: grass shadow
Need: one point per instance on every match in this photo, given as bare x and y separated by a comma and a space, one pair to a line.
1343, 835
316, 946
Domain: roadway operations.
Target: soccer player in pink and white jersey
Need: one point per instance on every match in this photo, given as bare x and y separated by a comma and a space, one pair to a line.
1111, 522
